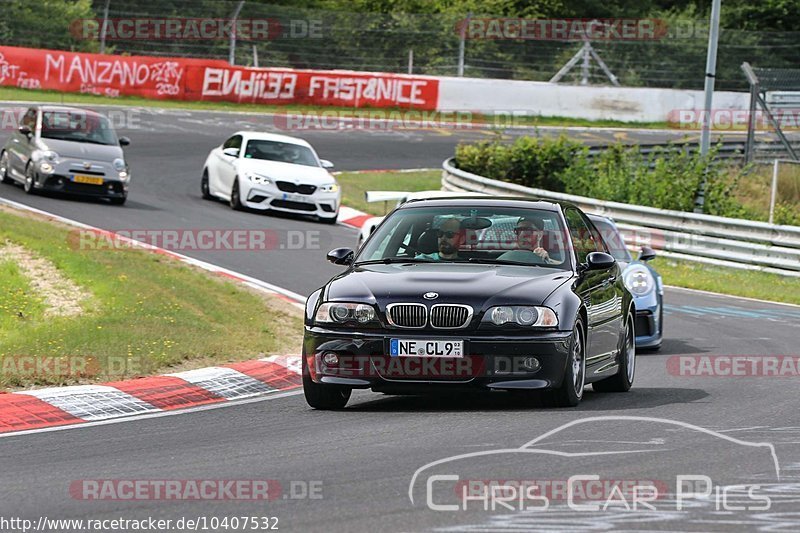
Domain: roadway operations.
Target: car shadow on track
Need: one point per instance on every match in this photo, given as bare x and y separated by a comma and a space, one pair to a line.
675, 347
636, 398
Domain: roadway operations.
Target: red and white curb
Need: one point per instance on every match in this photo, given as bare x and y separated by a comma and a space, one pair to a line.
353, 217
78, 404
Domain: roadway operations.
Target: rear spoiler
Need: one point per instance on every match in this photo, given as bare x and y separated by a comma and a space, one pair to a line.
384, 196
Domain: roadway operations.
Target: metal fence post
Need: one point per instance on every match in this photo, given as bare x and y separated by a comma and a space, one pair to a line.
462, 46
232, 53
774, 192
104, 28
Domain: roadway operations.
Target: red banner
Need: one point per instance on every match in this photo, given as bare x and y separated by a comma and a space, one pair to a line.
202, 79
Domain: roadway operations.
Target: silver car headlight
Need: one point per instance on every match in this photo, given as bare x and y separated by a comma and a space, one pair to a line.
119, 165
329, 187
639, 280
50, 156
521, 315
345, 313
260, 179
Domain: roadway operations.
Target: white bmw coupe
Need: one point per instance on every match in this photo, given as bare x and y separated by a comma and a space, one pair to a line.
265, 171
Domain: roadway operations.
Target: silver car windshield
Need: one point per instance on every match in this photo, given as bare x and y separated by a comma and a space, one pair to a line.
78, 126
613, 239
489, 235
281, 152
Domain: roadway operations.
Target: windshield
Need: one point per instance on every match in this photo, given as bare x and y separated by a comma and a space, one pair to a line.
281, 152
78, 126
472, 234
613, 239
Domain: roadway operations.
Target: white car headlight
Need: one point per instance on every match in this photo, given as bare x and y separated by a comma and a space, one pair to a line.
46, 167
639, 280
119, 165
344, 313
260, 179
50, 156
521, 315
330, 187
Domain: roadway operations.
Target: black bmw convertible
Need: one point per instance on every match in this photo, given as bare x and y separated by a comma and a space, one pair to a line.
459, 293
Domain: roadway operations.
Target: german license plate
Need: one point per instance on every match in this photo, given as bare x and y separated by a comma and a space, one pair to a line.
426, 348
297, 198
92, 180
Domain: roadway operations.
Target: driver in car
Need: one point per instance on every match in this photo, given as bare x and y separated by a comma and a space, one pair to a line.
529, 233
450, 238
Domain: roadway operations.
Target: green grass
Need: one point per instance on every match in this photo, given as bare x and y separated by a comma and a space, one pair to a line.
733, 281
150, 312
16, 94
17, 301
355, 184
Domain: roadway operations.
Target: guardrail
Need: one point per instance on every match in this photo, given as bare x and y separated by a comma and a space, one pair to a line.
709, 239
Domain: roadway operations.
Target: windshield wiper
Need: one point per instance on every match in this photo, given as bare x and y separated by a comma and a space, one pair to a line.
394, 260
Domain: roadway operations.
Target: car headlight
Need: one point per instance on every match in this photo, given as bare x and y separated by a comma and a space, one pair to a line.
521, 315
258, 178
119, 165
46, 168
639, 280
330, 187
346, 314
50, 156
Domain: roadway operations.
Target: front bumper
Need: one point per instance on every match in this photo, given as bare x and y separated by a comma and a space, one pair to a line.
648, 324
62, 180
489, 362
321, 204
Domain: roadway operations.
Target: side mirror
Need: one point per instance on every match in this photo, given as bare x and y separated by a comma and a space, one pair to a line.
25, 130
124, 141
341, 256
599, 261
231, 152
325, 163
647, 254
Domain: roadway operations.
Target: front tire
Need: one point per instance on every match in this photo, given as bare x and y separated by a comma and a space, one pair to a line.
623, 379
30, 178
236, 200
204, 187
325, 397
570, 393
331, 220
4, 177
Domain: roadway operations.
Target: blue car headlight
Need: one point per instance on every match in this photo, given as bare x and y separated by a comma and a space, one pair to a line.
639, 280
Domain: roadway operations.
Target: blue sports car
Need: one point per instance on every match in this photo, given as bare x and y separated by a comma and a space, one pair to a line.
642, 281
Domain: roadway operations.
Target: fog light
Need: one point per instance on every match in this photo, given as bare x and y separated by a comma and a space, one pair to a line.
330, 359
532, 364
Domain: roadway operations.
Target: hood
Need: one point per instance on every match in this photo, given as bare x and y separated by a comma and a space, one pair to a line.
85, 151
286, 171
480, 286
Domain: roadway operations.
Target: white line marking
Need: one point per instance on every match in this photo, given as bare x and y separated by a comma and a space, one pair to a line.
188, 410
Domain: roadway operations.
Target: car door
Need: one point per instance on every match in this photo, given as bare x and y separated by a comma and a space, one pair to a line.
20, 145
597, 290
226, 166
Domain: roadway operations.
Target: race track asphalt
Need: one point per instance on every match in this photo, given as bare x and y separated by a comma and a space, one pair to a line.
366, 456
